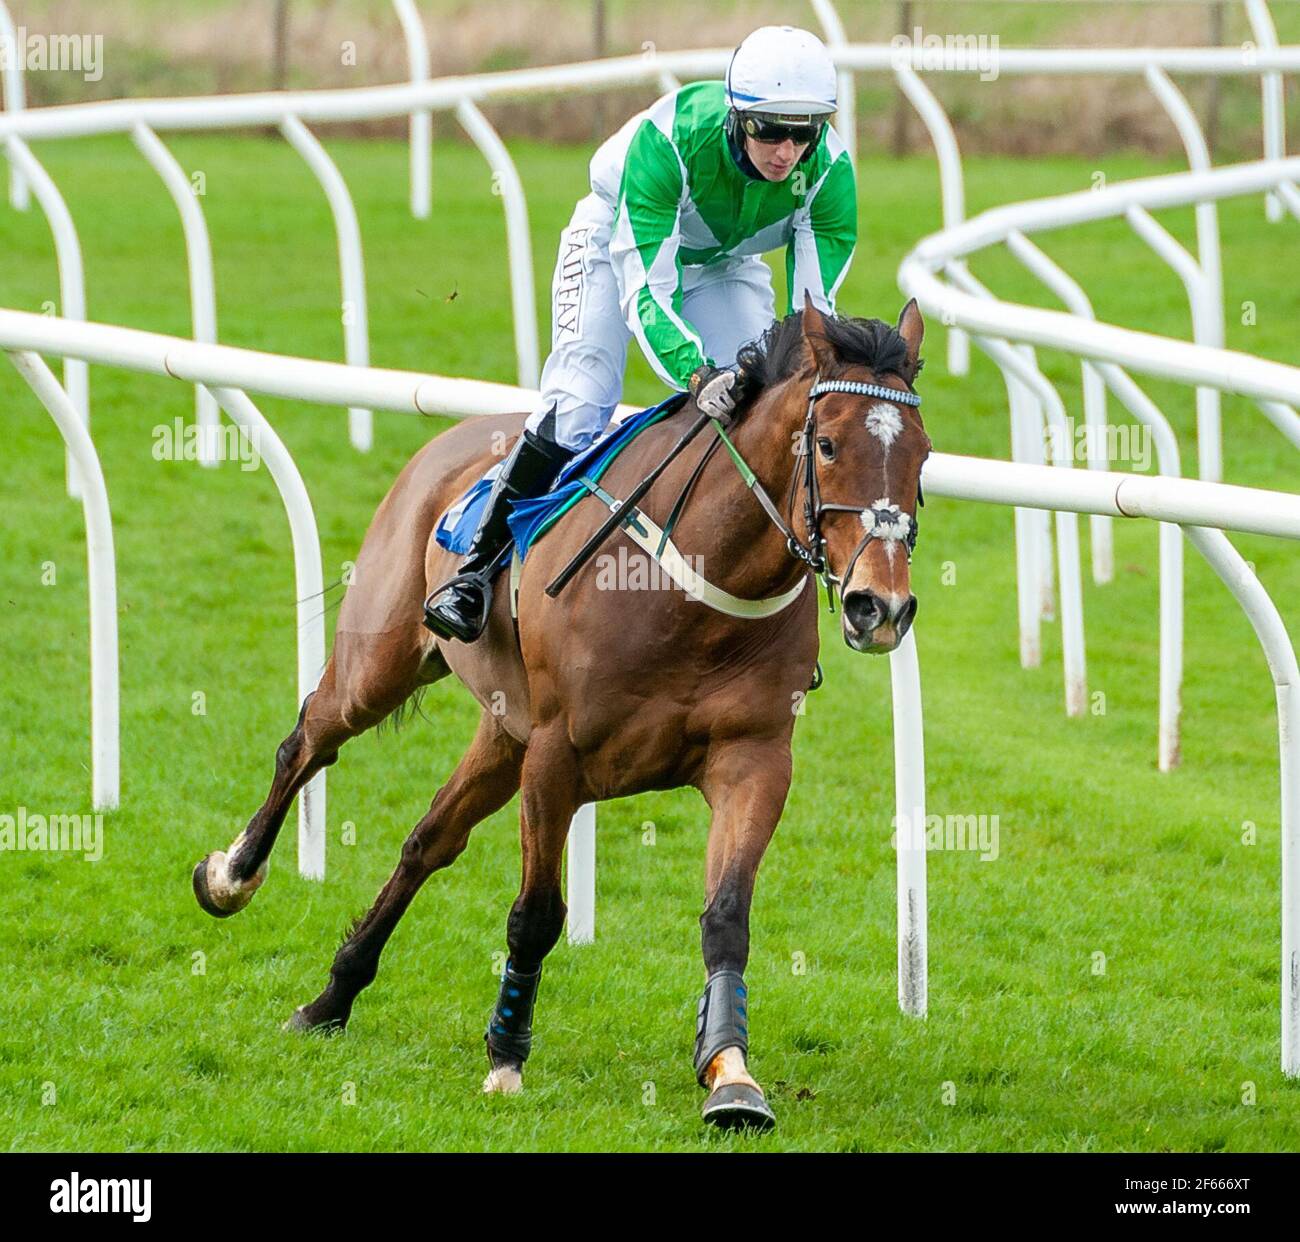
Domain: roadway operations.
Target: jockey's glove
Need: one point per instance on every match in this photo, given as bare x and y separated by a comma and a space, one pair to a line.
717, 390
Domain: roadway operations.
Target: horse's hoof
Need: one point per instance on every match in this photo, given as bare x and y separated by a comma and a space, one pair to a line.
204, 894
505, 1079
738, 1106
300, 1022
213, 890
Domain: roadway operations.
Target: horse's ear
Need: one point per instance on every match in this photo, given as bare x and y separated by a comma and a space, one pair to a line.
911, 327
814, 335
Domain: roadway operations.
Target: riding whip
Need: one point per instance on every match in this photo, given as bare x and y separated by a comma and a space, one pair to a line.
620, 515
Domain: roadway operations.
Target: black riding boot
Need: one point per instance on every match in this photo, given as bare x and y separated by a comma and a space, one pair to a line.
459, 609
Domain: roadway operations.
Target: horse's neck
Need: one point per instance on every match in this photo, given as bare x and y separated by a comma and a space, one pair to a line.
751, 558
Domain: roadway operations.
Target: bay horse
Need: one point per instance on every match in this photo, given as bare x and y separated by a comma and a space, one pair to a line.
604, 693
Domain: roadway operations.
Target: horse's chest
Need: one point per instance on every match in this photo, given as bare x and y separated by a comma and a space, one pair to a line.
638, 751
650, 734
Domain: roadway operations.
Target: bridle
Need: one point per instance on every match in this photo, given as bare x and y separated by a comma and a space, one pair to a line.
888, 522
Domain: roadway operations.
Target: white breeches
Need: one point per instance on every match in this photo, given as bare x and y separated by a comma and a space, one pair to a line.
727, 303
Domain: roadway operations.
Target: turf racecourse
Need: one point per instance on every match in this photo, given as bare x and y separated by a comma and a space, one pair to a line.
128, 1019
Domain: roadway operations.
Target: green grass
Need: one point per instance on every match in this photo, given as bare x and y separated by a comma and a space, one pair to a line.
1099, 853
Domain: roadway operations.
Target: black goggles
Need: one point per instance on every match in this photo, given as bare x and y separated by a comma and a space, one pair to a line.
766, 127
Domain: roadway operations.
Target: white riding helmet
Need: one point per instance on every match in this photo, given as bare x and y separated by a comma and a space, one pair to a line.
783, 71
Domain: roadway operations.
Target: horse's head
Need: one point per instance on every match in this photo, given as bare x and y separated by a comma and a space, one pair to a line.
860, 476
866, 450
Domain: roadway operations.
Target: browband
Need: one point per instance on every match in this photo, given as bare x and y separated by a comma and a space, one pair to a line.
864, 389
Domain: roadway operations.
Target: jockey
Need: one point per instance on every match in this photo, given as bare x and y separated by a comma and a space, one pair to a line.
667, 247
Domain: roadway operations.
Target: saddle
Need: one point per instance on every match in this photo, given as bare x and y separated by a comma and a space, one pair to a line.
532, 518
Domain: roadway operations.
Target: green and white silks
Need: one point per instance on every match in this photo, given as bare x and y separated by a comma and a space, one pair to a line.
667, 248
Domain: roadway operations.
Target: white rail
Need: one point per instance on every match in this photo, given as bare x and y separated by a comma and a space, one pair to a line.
909, 826
846, 114
1207, 305
580, 861
952, 184
417, 55
203, 295
72, 279
1261, 22
1171, 547
105, 780
1074, 661
14, 94
1181, 501
506, 182
353, 310
441, 94
1094, 389
1272, 385
309, 588
1224, 369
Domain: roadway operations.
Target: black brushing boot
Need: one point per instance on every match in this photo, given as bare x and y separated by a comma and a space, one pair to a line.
459, 608
722, 1022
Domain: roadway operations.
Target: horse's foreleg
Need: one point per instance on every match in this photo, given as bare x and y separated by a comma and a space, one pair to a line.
484, 781
537, 917
745, 784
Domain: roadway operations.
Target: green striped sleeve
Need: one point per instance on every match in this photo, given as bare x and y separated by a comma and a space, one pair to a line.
825, 236
644, 249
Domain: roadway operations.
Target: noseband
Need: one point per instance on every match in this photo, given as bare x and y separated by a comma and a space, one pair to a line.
887, 521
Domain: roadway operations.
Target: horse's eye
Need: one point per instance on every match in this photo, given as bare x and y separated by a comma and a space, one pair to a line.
827, 448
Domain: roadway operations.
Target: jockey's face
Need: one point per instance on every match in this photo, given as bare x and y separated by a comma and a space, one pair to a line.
775, 160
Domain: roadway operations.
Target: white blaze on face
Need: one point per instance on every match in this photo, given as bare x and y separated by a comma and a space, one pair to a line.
885, 423
888, 523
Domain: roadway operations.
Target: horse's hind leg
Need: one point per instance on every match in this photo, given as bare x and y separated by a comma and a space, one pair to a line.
484, 781
225, 881
550, 780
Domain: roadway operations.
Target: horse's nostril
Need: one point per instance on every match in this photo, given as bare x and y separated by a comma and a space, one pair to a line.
865, 611
906, 615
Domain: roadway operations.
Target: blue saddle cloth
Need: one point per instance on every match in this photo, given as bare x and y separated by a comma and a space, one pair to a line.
531, 518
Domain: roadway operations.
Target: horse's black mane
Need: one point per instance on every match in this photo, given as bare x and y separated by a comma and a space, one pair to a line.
779, 352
